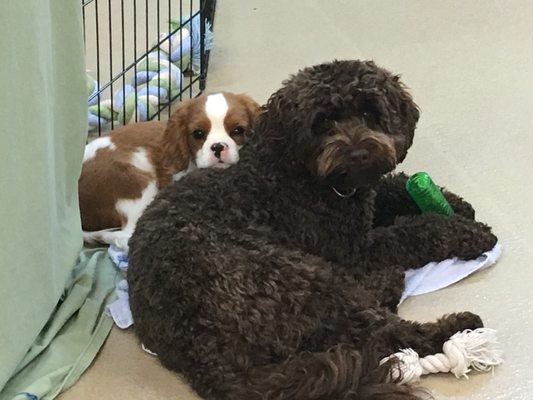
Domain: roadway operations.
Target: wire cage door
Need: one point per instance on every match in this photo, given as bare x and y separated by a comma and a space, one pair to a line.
142, 55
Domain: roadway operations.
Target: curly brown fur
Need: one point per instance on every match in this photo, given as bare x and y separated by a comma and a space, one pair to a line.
260, 282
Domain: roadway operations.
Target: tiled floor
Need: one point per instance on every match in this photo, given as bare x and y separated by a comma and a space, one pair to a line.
469, 65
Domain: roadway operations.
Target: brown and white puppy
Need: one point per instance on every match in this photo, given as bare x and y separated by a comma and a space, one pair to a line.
123, 171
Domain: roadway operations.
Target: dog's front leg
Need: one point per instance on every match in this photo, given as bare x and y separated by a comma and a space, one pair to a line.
414, 241
393, 200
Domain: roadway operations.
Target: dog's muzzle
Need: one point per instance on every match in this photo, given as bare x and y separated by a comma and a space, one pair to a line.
346, 166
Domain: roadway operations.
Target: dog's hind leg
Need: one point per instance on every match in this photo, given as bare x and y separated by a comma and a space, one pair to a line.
132, 209
424, 338
385, 284
342, 372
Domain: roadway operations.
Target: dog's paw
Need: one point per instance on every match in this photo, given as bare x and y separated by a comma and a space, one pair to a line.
460, 206
458, 322
475, 239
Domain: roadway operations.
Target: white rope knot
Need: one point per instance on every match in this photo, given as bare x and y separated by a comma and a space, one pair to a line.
471, 349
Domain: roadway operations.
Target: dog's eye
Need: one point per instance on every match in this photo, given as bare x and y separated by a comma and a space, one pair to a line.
198, 134
238, 131
368, 116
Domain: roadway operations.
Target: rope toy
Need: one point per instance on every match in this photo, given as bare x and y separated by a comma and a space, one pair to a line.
158, 77
465, 351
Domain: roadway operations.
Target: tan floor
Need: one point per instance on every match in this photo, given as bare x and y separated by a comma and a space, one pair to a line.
469, 64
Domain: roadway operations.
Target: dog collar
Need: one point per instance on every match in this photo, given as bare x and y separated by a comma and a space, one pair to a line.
342, 194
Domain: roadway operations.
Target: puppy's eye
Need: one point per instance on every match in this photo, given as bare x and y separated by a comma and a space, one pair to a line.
198, 134
238, 131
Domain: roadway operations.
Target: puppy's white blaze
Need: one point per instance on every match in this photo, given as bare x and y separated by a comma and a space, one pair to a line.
97, 144
140, 160
216, 109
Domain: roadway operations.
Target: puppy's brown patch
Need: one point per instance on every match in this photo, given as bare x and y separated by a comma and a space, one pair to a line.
239, 119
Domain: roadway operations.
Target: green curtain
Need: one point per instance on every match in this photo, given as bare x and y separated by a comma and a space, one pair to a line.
43, 125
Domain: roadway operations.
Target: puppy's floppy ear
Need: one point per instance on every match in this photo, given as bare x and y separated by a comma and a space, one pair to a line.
175, 153
252, 109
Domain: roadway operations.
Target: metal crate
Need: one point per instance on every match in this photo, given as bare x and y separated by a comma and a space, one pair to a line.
142, 55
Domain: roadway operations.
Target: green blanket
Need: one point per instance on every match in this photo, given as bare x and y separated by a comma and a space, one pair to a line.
51, 322
72, 336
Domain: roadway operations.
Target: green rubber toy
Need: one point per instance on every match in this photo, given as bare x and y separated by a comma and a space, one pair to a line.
427, 195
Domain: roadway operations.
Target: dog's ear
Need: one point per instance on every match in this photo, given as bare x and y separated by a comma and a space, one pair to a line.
175, 154
286, 121
401, 106
410, 114
408, 109
271, 115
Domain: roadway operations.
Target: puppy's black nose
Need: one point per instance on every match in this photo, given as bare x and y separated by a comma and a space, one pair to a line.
217, 148
360, 156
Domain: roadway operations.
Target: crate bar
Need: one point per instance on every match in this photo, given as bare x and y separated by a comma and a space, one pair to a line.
99, 91
147, 51
111, 58
134, 54
181, 52
202, 44
170, 94
158, 60
123, 64
190, 51
84, 26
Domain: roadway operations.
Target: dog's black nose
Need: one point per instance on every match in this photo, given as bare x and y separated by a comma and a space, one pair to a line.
217, 148
360, 156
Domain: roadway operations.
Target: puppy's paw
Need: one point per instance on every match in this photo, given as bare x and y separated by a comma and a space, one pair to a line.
121, 242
